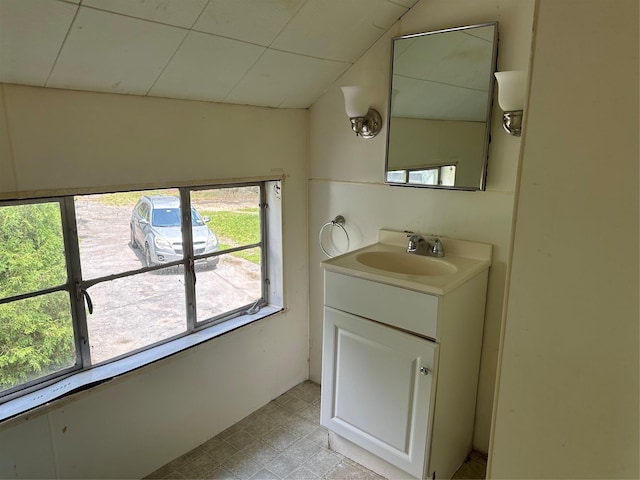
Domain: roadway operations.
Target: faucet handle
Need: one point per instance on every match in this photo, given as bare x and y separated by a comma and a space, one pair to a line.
412, 246
436, 248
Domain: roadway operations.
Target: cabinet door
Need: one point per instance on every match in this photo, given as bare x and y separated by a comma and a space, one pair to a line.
373, 390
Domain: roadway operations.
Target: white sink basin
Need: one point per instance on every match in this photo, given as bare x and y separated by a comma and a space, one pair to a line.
406, 263
388, 262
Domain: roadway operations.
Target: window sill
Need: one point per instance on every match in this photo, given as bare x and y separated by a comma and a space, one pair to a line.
77, 381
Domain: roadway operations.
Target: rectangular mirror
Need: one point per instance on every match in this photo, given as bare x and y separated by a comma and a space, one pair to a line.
440, 107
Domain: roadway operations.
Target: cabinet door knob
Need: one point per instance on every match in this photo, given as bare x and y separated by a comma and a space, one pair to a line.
424, 371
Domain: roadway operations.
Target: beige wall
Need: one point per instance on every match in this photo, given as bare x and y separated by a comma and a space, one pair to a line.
567, 402
347, 174
126, 428
64, 139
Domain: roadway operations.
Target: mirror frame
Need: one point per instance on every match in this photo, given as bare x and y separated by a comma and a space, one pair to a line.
482, 181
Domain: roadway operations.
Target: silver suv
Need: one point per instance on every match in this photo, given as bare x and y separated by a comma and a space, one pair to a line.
155, 227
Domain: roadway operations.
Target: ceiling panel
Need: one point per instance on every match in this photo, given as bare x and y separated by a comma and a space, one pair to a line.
337, 29
281, 79
31, 34
265, 52
252, 21
182, 13
206, 67
113, 53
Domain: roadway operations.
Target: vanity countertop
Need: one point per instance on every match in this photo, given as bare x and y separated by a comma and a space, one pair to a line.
469, 259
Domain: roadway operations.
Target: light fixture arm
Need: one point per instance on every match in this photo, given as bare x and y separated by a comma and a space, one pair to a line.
369, 125
512, 122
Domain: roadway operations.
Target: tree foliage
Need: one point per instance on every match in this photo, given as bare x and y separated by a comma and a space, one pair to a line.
36, 333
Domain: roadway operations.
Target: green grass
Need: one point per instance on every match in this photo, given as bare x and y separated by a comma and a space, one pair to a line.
235, 228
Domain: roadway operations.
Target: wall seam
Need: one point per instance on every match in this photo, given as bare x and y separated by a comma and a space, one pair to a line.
54, 452
308, 236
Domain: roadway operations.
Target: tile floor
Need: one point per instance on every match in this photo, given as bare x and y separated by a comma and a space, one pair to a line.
282, 440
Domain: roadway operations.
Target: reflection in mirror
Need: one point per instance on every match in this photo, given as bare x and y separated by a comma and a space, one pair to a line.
440, 107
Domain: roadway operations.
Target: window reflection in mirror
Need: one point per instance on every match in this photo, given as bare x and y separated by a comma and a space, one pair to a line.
443, 176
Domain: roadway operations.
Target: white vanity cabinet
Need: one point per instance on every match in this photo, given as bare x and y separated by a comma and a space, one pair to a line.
400, 372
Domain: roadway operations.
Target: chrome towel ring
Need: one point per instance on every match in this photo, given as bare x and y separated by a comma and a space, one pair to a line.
336, 222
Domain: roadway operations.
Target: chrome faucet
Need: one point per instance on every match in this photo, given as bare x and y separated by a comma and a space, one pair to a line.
419, 246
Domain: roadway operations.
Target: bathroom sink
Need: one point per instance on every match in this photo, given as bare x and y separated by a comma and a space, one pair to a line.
406, 263
388, 262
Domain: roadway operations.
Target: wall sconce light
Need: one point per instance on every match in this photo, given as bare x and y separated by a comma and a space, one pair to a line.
511, 88
365, 121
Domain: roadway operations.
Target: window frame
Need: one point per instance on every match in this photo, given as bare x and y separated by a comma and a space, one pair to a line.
406, 172
211, 327
264, 260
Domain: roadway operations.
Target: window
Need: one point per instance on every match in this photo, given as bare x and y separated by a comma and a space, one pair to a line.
443, 176
131, 278
36, 322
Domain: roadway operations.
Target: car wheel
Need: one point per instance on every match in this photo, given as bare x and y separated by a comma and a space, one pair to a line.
134, 243
147, 257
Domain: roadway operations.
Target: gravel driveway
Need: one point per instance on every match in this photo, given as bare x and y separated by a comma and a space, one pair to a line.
140, 310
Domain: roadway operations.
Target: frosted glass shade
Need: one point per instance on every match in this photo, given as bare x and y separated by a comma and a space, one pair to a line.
355, 101
511, 87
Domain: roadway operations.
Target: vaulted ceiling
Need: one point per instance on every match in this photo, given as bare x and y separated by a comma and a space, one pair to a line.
276, 53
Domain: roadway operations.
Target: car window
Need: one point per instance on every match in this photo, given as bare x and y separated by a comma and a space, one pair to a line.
166, 217
196, 219
143, 211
